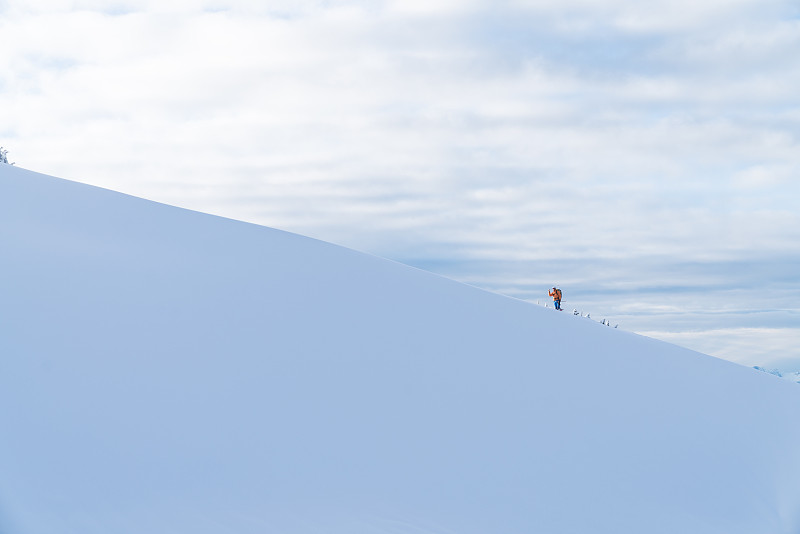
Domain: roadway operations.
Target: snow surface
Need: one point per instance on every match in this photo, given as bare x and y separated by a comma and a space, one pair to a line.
167, 371
793, 376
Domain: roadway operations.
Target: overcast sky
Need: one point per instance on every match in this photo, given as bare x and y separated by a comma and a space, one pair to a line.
644, 156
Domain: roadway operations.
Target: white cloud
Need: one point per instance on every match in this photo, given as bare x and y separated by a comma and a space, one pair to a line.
765, 176
660, 16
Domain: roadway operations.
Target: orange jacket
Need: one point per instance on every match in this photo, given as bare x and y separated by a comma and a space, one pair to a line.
555, 294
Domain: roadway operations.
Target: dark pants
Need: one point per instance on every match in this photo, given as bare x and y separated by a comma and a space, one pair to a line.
557, 303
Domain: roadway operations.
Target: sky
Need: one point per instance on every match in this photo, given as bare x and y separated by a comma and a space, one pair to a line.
644, 157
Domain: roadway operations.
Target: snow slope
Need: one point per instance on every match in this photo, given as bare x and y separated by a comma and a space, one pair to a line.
166, 371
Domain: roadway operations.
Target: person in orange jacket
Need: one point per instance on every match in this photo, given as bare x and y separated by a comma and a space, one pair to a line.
556, 294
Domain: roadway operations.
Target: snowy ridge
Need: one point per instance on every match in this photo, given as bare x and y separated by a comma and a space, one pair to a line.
164, 371
793, 376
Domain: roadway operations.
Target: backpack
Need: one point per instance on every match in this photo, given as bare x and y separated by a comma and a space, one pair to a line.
558, 293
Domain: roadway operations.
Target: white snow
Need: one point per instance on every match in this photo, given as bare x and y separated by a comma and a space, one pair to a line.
167, 371
792, 375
